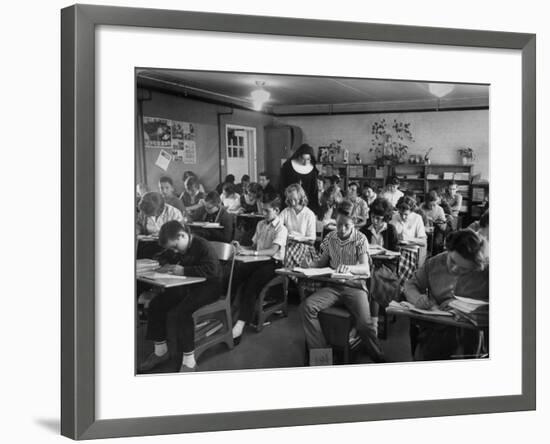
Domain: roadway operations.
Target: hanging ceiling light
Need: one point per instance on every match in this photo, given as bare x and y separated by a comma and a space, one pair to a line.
259, 96
440, 89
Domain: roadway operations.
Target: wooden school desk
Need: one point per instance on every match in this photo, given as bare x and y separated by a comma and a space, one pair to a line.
469, 322
166, 280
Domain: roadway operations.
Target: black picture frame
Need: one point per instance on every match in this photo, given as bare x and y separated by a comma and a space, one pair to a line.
78, 23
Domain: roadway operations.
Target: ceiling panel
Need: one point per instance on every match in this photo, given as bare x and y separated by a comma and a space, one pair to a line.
288, 91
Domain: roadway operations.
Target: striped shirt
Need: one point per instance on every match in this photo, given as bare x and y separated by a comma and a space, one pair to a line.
346, 252
271, 233
152, 224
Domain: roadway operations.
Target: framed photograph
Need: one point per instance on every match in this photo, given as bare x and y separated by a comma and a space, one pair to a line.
192, 300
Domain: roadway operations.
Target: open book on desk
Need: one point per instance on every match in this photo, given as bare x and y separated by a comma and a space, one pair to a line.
434, 311
309, 272
468, 305
328, 272
379, 251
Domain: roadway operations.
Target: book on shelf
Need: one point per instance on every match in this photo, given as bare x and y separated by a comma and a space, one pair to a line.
462, 176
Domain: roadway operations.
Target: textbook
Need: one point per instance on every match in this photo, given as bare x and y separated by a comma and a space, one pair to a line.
408, 306
326, 271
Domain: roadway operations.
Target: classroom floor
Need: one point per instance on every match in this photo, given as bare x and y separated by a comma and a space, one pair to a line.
279, 344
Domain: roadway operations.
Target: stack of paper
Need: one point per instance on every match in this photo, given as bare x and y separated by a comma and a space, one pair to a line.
467, 305
408, 306
146, 265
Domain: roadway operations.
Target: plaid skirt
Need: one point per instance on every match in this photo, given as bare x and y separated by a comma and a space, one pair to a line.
295, 253
408, 264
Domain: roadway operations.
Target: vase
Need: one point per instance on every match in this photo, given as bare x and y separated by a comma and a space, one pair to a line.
465, 161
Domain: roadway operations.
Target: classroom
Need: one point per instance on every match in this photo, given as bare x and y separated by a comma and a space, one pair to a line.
290, 221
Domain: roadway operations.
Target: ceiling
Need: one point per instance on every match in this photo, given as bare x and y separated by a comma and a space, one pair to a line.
313, 95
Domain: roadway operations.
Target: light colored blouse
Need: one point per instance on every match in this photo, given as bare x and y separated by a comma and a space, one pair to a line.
152, 224
412, 228
231, 203
301, 223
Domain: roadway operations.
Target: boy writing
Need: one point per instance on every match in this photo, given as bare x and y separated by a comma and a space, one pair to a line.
346, 251
185, 255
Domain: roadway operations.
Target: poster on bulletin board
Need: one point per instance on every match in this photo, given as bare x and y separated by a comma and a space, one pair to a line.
177, 136
157, 133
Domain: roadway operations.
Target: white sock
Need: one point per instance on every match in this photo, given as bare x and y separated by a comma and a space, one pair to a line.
238, 329
375, 324
161, 348
189, 360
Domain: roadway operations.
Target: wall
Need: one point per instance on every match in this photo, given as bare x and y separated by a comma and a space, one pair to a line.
205, 118
445, 131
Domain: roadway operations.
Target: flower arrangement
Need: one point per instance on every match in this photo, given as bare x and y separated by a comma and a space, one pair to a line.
390, 146
467, 155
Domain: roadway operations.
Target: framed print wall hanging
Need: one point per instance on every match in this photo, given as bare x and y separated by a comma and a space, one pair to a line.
285, 221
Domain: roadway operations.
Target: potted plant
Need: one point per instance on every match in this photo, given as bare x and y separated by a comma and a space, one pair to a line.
390, 147
467, 155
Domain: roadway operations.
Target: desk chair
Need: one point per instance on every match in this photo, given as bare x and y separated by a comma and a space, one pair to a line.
264, 307
219, 310
337, 323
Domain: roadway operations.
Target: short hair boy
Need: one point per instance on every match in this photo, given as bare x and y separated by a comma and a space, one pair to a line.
346, 250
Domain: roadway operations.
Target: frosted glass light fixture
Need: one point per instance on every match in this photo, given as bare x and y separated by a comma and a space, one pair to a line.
259, 96
440, 89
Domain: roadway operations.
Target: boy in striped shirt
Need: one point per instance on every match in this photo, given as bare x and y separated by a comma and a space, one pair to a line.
346, 251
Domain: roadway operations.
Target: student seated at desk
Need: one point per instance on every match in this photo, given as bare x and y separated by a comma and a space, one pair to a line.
154, 213
186, 255
408, 224
188, 175
300, 222
392, 192
166, 188
380, 232
330, 200
230, 198
435, 283
360, 209
345, 250
481, 227
214, 211
267, 189
251, 201
453, 200
230, 178
435, 217
368, 194
192, 197
141, 190
269, 240
243, 186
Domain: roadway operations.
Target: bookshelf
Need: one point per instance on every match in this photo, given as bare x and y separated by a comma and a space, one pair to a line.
419, 178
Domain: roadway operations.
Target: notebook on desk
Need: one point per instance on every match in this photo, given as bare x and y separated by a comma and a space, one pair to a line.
434, 311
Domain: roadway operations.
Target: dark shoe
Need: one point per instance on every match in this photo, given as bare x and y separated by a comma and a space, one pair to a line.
152, 361
374, 350
185, 369
237, 340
